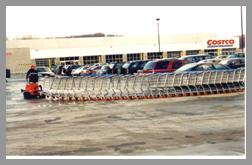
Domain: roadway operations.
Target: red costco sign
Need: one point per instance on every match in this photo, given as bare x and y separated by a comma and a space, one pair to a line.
8, 53
220, 43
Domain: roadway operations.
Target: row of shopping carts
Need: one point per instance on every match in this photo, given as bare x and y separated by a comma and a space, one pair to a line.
116, 87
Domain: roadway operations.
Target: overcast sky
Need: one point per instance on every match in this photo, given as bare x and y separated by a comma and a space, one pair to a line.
45, 21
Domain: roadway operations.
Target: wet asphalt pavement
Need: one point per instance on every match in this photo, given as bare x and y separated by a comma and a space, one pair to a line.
199, 125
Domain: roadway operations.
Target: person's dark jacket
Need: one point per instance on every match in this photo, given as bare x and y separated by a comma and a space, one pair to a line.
32, 72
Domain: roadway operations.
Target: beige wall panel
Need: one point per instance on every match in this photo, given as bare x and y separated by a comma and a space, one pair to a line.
125, 58
165, 55
18, 60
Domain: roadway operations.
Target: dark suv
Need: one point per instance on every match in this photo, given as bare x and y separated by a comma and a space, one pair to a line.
132, 67
161, 66
116, 68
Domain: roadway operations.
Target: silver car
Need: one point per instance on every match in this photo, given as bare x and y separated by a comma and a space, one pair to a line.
193, 67
44, 71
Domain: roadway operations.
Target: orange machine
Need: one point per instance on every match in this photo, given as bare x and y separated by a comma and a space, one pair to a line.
32, 91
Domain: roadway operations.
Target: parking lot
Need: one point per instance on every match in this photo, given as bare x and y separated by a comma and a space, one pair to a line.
200, 125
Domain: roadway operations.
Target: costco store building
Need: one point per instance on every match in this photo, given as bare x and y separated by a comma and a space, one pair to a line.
20, 54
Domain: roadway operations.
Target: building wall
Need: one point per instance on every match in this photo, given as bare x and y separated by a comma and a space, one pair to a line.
18, 59
21, 53
105, 41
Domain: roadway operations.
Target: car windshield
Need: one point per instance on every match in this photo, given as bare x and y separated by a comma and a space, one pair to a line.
104, 67
231, 56
204, 67
162, 65
54, 66
240, 55
220, 67
134, 65
186, 67
142, 64
149, 65
222, 56
43, 70
126, 65
189, 59
82, 68
223, 62
75, 66
209, 57
111, 66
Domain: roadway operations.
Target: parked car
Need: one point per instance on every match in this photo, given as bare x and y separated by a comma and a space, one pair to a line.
214, 60
77, 71
191, 67
164, 65
220, 57
54, 68
68, 69
236, 55
91, 70
196, 58
132, 67
234, 62
105, 69
117, 68
96, 64
44, 71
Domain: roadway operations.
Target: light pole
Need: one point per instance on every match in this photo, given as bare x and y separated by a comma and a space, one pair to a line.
158, 34
242, 31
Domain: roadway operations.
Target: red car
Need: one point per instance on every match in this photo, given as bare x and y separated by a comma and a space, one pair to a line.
164, 65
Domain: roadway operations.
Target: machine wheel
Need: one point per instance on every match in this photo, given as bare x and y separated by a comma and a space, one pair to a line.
27, 95
42, 96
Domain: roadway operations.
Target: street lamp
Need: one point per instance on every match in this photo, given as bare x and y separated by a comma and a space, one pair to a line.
158, 34
242, 31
